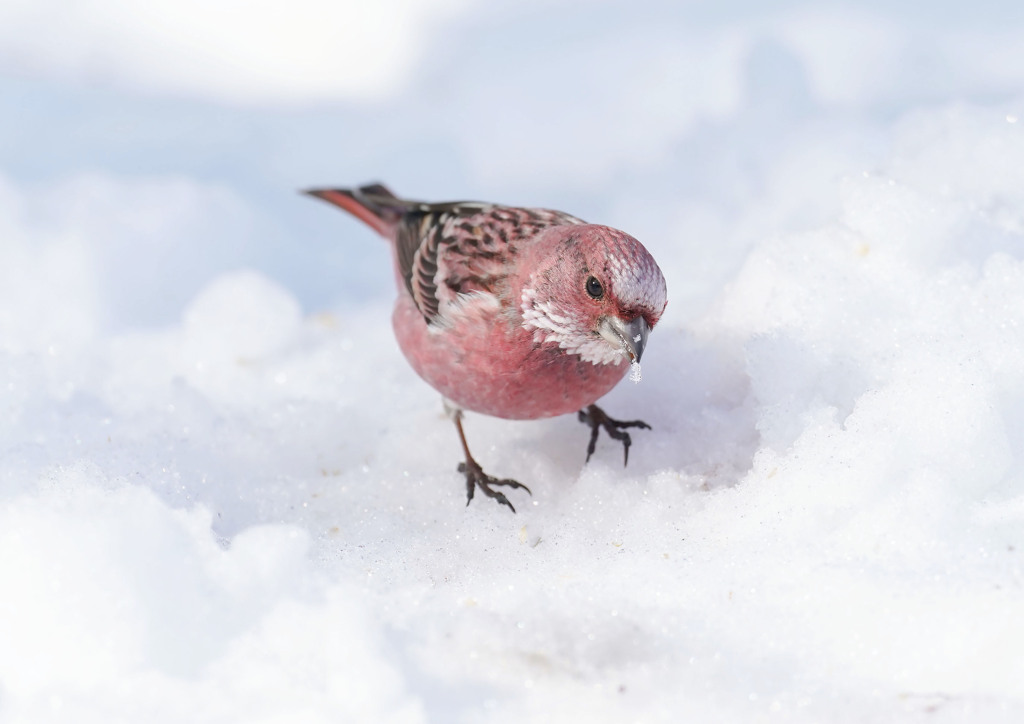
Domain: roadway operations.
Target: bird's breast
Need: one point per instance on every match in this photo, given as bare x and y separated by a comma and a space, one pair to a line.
483, 362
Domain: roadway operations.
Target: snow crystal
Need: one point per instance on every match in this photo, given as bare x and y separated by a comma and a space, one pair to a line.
634, 372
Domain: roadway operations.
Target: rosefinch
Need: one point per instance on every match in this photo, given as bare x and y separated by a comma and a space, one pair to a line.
513, 312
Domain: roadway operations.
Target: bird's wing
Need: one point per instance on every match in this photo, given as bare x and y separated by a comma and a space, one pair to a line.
445, 250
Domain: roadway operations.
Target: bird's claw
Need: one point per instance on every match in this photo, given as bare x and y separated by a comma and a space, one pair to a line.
477, 478
597, 419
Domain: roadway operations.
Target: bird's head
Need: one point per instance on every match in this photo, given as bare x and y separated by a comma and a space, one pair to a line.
593, 290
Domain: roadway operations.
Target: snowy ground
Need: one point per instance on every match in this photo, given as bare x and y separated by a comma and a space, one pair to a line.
225, 497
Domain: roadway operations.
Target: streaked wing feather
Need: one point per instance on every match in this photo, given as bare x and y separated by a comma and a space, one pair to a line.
449, 249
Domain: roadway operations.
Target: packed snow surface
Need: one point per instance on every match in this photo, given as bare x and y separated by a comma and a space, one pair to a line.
224, 495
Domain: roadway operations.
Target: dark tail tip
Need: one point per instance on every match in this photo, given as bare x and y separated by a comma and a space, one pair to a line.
370, 204
319, 193
376, 189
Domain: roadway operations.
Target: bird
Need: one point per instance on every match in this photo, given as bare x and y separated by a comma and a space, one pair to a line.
518, 313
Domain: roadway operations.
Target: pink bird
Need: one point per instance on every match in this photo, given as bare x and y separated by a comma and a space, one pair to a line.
513, 312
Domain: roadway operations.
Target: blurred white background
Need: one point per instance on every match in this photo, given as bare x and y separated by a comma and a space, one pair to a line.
664, 118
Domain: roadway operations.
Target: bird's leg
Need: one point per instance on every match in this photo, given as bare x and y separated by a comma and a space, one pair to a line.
598, 419
476, 477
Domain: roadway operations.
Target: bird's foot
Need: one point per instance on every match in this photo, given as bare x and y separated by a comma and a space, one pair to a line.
598, 419
477, 478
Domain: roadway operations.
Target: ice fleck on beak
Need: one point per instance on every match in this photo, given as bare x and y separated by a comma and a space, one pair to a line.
634, 372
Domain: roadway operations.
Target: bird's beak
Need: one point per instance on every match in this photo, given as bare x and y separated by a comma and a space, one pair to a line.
631, 336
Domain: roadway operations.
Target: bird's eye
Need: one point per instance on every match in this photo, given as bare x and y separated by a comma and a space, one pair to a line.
594, 288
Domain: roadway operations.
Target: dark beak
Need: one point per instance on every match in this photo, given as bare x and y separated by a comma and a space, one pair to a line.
631, 335
636, 338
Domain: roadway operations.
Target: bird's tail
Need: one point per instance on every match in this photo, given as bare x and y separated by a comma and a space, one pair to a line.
373, 204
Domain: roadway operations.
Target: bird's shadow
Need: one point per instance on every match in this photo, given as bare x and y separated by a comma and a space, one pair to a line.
696, 397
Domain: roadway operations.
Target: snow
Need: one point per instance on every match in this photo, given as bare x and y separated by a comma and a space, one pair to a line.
224, 496
251, 53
